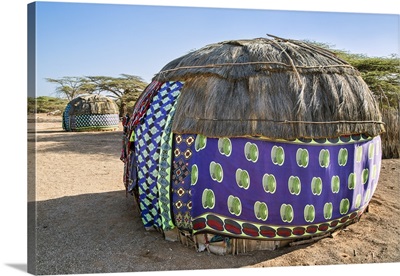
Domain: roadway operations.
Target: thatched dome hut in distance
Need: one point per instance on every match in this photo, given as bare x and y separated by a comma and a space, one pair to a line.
268, 140
91, 113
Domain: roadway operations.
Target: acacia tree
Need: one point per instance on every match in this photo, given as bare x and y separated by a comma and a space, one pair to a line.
125, 89
71, 87
382, 74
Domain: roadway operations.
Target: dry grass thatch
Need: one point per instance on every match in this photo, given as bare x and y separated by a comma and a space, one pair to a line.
391, 138
275, 88
93, 104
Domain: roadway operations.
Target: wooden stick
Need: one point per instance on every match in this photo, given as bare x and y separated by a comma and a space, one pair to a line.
310, 240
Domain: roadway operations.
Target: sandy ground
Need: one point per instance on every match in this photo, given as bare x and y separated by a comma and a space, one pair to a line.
86, 224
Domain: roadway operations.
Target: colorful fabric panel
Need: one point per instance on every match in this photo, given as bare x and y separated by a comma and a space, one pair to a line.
127, 151
65, 122
147, 143
143, 103
95, 121
275, 190
91, 121
181, 181
164, 175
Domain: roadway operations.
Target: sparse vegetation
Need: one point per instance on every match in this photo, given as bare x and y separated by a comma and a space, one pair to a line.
45, 104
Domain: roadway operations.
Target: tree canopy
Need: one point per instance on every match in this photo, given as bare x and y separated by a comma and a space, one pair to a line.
382, 74
124, 89
71, 87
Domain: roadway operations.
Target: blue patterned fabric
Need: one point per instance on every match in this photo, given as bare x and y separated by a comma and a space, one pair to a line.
65, 122
147, 147
164, 176
89, 121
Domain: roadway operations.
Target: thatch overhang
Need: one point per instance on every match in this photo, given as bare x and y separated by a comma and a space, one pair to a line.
274, 88
92, 104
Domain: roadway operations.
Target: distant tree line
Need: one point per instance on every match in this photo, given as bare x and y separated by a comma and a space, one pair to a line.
124, 89
45, 104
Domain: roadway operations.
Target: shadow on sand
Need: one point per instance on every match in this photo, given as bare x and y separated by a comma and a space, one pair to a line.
81, 142
103, 233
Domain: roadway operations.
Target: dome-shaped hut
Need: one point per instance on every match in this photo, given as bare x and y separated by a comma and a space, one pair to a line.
266, 140
91, 113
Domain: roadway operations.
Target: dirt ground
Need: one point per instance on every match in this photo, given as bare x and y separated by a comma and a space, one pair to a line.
86, 224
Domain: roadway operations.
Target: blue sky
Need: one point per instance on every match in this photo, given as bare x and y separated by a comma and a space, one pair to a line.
80, 39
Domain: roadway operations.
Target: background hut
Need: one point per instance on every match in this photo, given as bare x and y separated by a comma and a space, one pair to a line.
90, 113
267, 140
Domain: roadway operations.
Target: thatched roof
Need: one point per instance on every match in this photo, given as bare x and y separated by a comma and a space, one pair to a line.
93, 104
275, 88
